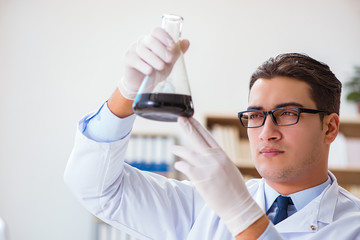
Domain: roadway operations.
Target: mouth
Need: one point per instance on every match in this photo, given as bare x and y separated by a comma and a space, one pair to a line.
270, 152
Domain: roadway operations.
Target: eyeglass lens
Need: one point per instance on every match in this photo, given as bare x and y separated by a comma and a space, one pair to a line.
282, 117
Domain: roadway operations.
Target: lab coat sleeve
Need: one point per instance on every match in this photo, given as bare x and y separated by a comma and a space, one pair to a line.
270, 233
144, 204
104, 126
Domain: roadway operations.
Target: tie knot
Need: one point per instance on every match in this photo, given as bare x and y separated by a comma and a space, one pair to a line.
283, 202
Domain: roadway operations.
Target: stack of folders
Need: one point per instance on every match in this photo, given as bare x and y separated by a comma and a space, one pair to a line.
344, 152
236, 148
151, 153
106, 232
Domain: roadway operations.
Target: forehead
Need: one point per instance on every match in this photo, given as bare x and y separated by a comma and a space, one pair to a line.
268, 93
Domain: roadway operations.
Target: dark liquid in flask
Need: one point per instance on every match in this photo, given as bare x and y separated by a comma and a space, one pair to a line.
164, 107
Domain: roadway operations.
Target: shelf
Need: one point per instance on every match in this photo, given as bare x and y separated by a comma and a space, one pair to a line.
212, 120
347, 176
350, 128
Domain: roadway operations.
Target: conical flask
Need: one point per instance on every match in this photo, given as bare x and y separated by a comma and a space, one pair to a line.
164, 96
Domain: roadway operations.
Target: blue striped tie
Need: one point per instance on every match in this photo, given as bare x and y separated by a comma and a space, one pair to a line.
282, 204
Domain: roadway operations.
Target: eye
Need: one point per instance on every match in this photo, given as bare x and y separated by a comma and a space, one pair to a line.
255, 115
288, 113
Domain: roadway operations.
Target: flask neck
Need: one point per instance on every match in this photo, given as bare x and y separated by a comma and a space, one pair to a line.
172, 24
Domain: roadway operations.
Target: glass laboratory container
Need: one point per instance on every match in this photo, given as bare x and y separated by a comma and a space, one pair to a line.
165, 96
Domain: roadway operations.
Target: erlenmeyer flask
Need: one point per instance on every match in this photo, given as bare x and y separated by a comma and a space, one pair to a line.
165, 96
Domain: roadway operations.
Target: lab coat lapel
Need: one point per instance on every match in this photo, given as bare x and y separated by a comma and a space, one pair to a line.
259, 196
320, 210
329, 201
304, 220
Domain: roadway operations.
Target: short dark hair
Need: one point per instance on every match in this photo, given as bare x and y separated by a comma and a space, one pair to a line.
325, 87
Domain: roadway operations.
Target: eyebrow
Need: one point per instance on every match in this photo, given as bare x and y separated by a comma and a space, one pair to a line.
280, 105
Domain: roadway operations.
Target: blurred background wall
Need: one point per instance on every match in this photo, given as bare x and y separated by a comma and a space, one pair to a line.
62, 59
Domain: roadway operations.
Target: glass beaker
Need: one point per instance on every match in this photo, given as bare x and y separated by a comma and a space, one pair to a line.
164, 96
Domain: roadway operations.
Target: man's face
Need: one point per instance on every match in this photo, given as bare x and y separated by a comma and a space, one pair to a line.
287, 154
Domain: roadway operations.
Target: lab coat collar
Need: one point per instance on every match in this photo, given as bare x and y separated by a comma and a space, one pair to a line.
329, 201
321, 209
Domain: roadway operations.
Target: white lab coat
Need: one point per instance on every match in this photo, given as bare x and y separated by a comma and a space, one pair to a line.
3, 232
150, 206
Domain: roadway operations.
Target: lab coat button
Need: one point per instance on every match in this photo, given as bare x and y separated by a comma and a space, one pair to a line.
313, 228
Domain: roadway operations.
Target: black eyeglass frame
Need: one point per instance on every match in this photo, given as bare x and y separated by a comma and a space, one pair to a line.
300, 110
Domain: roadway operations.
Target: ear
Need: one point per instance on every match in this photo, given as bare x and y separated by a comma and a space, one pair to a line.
331, 127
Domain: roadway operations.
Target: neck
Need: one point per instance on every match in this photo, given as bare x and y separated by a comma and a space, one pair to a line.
291, 186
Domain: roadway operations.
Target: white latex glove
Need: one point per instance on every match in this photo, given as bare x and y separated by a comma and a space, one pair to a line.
216, 177
154, 52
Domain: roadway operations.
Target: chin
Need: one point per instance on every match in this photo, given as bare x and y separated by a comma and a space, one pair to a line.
274, 174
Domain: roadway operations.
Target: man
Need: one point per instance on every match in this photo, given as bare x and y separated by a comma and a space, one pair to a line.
292, 119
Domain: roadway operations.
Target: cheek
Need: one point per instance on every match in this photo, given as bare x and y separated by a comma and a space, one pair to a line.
254, 140
309, 142
308, 136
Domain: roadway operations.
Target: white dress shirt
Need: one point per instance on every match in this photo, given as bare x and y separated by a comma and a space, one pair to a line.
150, 206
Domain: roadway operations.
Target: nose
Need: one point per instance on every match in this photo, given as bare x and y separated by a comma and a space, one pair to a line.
269, 131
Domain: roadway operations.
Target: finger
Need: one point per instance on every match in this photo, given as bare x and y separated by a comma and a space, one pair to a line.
159, 49
184, 45
188, 155
163, 37
182, 152
183, 166
192, 133
197, 134
132, 60
204, 133
195, 176
148, 56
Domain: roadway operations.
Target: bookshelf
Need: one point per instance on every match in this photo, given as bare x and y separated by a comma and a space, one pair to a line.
148, 152
349, 127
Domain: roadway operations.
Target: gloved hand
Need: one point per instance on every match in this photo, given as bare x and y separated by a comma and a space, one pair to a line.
156, 51
216, 177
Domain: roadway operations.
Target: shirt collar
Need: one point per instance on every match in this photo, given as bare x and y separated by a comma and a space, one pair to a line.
300, 199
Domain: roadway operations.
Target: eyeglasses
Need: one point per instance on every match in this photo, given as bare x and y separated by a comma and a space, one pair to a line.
281, 116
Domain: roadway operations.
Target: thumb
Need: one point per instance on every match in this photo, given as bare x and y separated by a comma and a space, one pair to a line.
184, 45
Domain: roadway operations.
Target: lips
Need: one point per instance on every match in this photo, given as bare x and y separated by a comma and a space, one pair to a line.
270, 152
